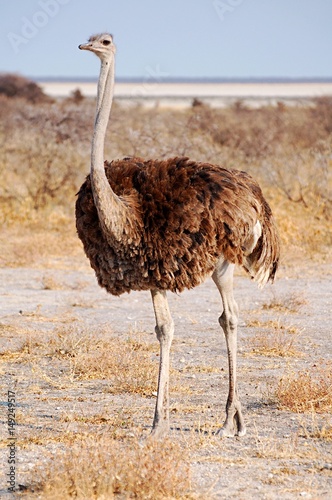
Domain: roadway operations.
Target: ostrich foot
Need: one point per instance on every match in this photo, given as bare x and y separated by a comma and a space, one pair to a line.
234, 423
160, 430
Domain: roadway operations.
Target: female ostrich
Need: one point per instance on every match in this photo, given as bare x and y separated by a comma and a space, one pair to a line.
166, 225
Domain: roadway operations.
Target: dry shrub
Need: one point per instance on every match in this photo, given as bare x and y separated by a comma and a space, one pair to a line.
261, 132
37, 174
308, 390
76, 97
274, 339
304, 234
322, 112
103, 468
12, 85
304, 177
42, 159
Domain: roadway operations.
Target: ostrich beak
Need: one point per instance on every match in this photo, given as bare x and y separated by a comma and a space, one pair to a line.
85, 46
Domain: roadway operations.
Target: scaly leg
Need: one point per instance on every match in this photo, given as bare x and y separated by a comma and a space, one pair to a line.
164, 331
223, 278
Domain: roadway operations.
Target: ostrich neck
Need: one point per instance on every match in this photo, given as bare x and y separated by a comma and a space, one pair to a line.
112, 212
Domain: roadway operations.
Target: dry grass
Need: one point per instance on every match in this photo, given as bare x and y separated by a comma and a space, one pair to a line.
100, 467
200, 369
320, 432
307, 391
274, 338
290, 449
126, 364
288, 303
275, 448
316, 428
50, 243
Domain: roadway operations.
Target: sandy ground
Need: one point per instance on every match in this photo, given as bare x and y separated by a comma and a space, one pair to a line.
276, 459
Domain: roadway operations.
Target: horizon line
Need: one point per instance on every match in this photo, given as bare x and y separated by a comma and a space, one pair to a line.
119, 79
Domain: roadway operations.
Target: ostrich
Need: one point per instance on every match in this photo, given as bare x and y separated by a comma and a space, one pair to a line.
163, 225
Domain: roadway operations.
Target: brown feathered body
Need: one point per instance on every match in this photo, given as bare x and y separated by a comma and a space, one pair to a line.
187, 215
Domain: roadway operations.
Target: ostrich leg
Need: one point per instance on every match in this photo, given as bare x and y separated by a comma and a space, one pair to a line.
164, 331
223, 278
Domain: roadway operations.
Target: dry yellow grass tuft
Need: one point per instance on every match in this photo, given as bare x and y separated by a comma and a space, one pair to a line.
100, 467
307, 391
126, 364
316, 428
272, 448
287, 303
320, 432
274, 339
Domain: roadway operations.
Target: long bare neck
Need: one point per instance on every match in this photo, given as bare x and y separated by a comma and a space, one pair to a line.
103, 109
111, 209
106, 75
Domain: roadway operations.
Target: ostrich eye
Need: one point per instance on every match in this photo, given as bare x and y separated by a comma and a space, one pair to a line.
106, 42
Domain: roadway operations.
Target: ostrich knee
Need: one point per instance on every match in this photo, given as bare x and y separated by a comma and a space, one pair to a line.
165, 333
229, 321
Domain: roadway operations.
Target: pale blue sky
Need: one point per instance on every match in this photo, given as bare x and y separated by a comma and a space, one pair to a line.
174, 38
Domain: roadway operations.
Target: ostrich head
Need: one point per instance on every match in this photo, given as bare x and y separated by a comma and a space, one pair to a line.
102, 45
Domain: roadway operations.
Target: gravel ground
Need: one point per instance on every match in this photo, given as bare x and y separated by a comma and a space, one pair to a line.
276, 459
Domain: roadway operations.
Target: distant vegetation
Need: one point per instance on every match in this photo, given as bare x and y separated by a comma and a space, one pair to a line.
12, 85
